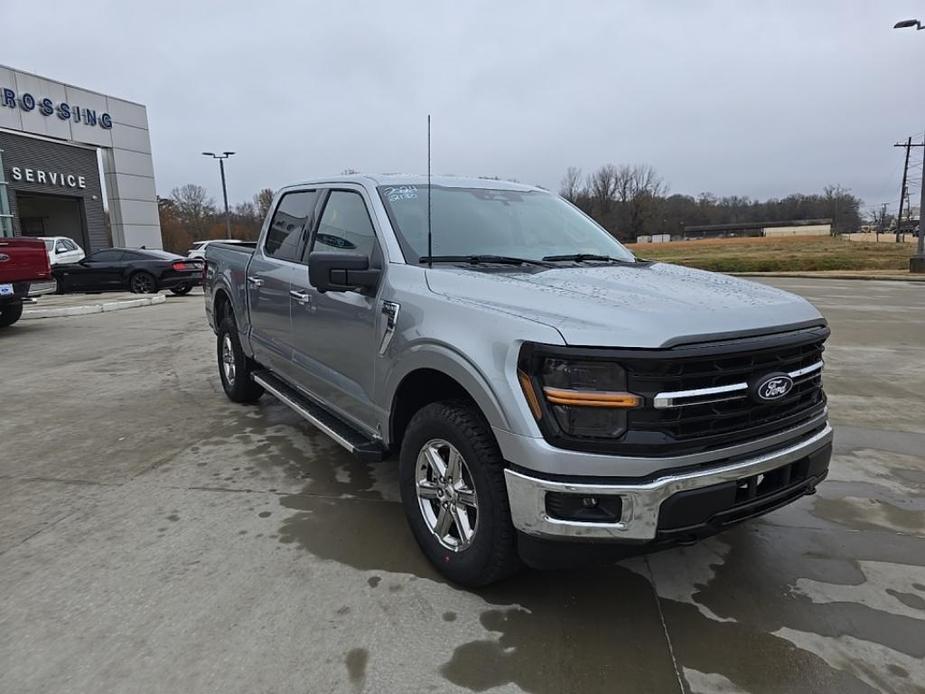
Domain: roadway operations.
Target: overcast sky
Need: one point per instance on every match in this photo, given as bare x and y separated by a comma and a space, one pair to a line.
757, 99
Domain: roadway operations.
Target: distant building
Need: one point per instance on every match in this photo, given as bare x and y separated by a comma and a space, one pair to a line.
796, 227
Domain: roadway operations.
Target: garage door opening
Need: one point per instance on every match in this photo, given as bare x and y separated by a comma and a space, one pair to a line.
52, 215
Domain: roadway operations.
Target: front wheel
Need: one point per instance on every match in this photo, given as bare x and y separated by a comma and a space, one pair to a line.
233, 365
454, 495
10, 313
143, 283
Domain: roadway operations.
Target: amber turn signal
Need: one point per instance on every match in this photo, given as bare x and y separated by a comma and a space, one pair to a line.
530, 394
590, 398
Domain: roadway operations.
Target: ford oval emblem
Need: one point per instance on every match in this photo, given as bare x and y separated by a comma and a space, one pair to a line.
773, 387
4, 257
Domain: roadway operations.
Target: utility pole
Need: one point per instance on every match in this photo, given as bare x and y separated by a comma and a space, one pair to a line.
916, 262
902, 189
882, 220
903, 192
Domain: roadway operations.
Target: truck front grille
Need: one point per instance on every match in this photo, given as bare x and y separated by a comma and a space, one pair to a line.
727, 413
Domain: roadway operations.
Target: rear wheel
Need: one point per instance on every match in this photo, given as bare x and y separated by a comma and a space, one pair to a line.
10, 313
143, 283
454, 495
181, 290
233, 365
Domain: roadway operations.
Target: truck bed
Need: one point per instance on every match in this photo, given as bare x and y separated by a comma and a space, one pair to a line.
226, 268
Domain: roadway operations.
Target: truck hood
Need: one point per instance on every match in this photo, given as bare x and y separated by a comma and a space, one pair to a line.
628, 306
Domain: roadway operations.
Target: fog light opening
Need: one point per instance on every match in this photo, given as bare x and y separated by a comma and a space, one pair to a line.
584, 507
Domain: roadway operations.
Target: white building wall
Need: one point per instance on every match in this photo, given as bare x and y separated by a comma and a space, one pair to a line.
800, 230
128, 167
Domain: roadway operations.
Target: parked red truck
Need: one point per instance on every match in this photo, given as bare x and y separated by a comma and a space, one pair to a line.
23, 261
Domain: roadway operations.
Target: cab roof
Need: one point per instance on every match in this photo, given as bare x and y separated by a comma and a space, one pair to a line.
399, 179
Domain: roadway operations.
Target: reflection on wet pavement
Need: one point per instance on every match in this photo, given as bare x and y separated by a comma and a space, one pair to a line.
768, 606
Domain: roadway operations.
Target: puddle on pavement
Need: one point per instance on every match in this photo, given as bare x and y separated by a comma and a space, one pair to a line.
737, 620
356, 660
770, 609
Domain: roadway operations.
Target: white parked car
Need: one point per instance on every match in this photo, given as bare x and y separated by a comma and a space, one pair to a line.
62, 250
199, 248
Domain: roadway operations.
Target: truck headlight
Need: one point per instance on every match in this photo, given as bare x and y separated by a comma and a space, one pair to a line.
585, 397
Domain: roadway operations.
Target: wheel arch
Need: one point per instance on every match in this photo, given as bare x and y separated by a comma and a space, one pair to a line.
220, 301
438, 374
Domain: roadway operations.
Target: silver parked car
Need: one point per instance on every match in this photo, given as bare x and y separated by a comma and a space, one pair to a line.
550, 398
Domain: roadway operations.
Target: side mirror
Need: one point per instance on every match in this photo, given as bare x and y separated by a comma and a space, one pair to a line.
341, 272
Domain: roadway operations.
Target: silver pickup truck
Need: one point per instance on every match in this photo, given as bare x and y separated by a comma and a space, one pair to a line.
550, 397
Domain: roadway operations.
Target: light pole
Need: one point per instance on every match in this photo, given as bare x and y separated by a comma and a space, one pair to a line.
916, 262
221, 167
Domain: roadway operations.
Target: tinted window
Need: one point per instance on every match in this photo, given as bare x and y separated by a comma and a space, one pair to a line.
106, 256
345, 226
285, 233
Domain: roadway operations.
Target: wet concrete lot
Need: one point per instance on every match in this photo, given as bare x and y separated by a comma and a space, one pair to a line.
154, 537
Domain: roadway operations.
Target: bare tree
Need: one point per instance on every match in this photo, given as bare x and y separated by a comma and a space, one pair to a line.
262, 201
602, 187
194, 209
572, 186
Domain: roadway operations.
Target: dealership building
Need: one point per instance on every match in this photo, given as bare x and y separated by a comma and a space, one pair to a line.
69, 156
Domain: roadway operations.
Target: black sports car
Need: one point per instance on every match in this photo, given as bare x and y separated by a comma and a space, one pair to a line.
139, 270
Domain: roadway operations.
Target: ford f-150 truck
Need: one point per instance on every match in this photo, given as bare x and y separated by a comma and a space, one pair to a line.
23, 261
549, 396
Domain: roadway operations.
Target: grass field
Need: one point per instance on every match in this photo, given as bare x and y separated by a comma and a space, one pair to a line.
794, 253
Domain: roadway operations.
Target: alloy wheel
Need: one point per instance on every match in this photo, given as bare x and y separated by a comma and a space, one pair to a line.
142, 284
228, 364
446, 495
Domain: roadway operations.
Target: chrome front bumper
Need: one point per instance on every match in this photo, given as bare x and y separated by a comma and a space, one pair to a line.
640, 502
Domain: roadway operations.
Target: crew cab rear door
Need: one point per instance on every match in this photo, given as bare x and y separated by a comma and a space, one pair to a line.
269, 275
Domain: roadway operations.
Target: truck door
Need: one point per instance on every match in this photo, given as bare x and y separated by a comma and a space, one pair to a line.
269, 275
335, 334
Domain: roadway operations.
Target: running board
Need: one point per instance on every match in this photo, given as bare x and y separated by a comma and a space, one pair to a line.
364, 448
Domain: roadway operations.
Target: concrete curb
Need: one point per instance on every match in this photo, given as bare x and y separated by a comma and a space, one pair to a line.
833, 276
84, 309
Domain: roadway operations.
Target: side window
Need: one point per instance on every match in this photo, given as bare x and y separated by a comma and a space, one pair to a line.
345, 225
285, 233
61, 247
106, 256
70, 245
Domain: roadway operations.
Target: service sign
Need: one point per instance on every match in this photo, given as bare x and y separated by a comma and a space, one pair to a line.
47, 178
62, 110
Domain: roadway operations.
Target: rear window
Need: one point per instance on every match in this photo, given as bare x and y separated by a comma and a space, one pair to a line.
160, 255
49, 244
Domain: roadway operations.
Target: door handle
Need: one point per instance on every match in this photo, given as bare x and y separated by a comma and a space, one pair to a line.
302, 297
256, 281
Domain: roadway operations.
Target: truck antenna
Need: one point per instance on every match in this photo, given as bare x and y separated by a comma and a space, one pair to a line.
430, 239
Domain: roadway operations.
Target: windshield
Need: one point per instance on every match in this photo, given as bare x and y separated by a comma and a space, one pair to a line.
479, 221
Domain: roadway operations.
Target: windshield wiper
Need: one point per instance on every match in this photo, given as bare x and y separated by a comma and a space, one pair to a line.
582, 257
477, 259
